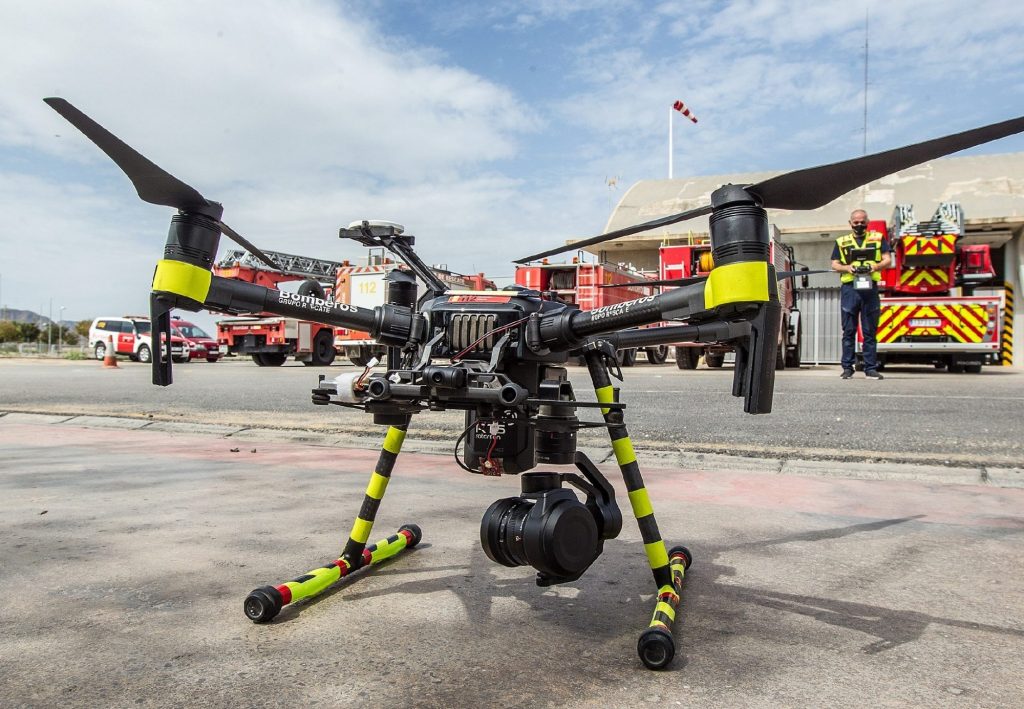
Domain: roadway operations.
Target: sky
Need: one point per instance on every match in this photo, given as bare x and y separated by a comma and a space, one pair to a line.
490, 130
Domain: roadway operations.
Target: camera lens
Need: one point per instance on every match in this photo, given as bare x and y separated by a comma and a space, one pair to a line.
502, 531
556, 535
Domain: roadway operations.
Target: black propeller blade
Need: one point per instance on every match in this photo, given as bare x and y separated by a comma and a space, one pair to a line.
689, 280
794, 274
153, 184
664, 221
666, 282
242, 241
817, 186
814, 187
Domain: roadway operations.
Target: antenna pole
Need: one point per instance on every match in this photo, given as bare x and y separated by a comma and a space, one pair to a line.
865, 82
670, 109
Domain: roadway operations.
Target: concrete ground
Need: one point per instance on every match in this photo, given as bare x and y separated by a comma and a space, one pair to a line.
126, 555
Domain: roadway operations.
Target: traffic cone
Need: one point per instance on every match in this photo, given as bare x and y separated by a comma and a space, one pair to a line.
109, 357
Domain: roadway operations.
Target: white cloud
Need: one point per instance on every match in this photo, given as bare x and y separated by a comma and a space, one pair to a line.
296, 116
303, 115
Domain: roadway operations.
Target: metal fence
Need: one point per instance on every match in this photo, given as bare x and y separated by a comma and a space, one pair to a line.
40, 349
822, 341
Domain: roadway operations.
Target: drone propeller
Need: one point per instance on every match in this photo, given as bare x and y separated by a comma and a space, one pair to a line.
153, 184
815, 187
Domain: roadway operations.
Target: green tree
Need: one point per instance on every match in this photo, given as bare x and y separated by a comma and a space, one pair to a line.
9, 331
29, 332
71, 337
82, 327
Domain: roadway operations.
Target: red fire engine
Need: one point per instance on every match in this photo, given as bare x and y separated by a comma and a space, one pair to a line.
271, 340
587, 285
930, 314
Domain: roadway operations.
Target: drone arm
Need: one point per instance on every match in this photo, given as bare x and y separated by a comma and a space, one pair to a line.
719, 331
189, 288
178, 284
740, 289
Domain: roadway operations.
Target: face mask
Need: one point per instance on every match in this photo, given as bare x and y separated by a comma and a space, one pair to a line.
859, 229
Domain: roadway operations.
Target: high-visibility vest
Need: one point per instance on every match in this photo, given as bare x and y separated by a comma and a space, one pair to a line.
849, 241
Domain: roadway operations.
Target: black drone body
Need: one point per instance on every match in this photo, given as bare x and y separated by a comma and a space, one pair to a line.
499, 357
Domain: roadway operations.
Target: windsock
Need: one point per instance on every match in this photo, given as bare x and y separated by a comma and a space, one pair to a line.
681, 107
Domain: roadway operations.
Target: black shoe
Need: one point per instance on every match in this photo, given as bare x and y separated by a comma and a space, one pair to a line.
847, 374
873, 374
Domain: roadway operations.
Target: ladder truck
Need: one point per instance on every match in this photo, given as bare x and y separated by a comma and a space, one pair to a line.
930, 313
271, 339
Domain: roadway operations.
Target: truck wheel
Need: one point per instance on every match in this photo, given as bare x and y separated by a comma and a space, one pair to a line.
273, 359
144, 354
323, 350
626, 358
793, 353
973, 368
714, 359
687, 357
657, 355
355, 356
101, 351
780, 357
258, 359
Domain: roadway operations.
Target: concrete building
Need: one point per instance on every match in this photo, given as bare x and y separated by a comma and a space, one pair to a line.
990, 188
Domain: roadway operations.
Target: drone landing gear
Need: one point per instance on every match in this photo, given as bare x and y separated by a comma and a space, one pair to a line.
656, 646
264, 603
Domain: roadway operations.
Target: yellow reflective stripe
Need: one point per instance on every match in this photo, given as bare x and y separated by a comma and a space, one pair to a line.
385, 550
641, 503
743, 282
361, 530
624, 453
667, 589
393, 441
322, 578
378, 484
659, 623
656, 554
182, 278
605, 395
666, 609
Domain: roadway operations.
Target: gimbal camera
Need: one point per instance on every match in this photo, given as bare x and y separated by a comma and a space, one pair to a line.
499, 357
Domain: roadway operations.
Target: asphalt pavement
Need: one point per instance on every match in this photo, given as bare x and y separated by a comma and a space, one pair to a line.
916, 416
129, 546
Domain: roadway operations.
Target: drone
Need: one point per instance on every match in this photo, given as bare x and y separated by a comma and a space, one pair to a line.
500, 357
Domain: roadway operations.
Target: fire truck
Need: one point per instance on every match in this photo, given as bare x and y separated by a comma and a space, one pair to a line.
366, 287
693, 259
592, 285
930, 313
271, 340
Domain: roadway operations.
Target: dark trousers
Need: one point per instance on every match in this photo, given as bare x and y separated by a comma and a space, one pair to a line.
864, 304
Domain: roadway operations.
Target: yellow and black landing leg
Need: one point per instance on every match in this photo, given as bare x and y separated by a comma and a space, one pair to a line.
264, 603
656, 646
